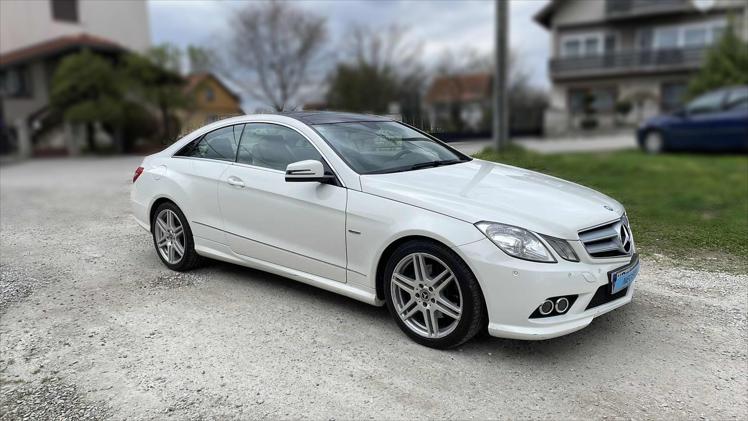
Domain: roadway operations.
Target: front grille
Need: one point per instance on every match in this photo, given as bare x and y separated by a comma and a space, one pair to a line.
610, 240
603, 296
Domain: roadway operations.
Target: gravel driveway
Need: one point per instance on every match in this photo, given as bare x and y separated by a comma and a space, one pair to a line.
92, 325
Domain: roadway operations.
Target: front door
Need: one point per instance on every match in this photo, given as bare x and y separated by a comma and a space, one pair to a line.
698, 127
295, 225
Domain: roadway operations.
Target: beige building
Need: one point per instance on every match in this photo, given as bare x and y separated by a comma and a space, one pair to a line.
211, 100
609, 53
34, 36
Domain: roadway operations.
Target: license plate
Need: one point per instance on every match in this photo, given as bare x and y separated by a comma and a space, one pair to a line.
622, 277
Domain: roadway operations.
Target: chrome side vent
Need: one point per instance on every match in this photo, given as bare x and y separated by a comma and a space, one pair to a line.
610, 240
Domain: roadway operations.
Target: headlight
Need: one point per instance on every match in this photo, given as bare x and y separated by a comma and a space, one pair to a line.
516, 242
563, 248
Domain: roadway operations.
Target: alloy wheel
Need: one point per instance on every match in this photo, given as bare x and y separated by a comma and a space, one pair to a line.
653, 143
169, 236
426, 295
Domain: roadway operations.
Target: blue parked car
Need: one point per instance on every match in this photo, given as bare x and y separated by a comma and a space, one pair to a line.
714, 121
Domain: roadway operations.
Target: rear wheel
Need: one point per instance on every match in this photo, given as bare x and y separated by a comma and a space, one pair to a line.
432, 295
653, 143
172, 238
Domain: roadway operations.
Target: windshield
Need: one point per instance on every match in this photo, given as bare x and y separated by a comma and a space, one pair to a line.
378, 147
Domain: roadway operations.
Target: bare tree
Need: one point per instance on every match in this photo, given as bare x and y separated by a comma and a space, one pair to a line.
452, 67
389, 49
471, 61
377, 67
273, 49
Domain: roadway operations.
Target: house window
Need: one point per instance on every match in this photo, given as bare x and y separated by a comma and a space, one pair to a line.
695, 37
571, 48
596, 99
683, 36
667, 38
589, 44
65, 10
15, 83
209, 94
672, 95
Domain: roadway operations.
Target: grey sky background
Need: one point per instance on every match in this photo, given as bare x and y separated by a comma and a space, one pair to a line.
437, 24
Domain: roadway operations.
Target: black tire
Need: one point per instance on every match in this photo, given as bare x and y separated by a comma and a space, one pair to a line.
473, 314
190, 259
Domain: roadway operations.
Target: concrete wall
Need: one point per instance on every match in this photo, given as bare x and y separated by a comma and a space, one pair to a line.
26, 22
578, 12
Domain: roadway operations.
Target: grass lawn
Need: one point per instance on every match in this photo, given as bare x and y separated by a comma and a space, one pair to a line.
692, 207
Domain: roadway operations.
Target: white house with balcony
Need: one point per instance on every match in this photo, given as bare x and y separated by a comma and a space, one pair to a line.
34, 37
641, 52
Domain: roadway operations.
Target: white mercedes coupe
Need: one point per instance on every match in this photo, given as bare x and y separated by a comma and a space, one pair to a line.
381, 212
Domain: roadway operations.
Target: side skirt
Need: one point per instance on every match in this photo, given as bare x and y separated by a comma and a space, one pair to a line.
214, 250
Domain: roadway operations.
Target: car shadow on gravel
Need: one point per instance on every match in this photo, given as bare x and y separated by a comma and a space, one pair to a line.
609, 330
603, 329
336, 302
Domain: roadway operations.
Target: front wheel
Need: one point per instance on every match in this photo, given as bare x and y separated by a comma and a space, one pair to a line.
653, 143
432, 295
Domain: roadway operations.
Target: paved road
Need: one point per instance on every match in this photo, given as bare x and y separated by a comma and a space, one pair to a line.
596, 143
92, 326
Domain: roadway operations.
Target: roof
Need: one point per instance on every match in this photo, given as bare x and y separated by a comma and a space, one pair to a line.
460, 88
545, 14
329, 117
196, 79
58, 46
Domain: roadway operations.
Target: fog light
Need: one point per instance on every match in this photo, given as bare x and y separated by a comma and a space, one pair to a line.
562, 304
546, 308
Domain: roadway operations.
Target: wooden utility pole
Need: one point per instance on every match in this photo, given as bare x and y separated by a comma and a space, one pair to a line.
501, 67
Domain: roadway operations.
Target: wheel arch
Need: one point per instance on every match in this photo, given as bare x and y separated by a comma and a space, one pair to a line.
156, 203
393, 245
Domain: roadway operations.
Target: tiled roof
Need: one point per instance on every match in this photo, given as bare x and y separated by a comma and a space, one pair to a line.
460, 88
58, 45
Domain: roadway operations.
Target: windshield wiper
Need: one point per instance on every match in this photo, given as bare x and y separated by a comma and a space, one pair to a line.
434, 164
429, 164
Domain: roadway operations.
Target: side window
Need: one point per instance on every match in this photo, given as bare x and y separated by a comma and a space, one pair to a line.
65, 10
708, 103
273, 146
218, 144
737, 99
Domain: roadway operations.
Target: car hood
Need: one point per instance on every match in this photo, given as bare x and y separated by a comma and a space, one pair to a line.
485, 191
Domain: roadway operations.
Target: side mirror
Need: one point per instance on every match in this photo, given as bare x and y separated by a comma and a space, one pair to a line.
681, 112
306, 171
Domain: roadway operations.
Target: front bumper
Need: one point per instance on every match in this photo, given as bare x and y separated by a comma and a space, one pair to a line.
514, 288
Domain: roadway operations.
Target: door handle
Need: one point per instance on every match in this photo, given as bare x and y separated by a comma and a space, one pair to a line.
235, 181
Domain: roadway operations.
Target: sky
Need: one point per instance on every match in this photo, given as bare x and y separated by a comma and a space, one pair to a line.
437, 25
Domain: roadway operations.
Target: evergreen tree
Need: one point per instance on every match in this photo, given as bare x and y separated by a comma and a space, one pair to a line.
726, 64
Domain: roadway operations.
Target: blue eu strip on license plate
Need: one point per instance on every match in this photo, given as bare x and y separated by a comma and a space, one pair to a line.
623, 277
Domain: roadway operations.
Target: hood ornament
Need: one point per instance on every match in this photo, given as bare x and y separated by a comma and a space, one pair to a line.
608, 208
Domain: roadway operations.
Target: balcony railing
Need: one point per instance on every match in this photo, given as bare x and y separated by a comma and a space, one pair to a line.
644, 61
627, 8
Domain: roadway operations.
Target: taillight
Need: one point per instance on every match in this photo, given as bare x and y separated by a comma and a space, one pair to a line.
138, 171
